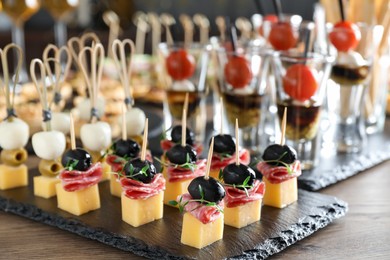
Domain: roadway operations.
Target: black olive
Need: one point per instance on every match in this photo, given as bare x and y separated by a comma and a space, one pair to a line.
211, 189
274, 154
139, 170
181, 154
224, 144
126, 148
237, 174
77, 159
176, 135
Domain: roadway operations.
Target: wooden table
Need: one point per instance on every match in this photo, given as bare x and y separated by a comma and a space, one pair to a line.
363, 233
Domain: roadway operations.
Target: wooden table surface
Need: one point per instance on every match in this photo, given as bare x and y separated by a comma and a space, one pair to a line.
363, 233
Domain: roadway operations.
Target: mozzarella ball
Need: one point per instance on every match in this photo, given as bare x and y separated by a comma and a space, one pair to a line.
84, 108
13, 134
96, 136
135, 121
60, 122
183, 85
351, 58
49, 145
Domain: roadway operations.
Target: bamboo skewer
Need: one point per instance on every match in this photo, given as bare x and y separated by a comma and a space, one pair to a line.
283, 130
145, 140
76, 44
113, 23
156, 32
204, 26
184, 122
188, 27
140, 21
167, 21
245, 28
72, 133
209, 157
237, 143
221, 24
9, 93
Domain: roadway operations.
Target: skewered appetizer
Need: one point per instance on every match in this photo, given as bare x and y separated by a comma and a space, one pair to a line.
78, 192
203, 219
14, 132
167, 144
280, 170
244, 192
48, 144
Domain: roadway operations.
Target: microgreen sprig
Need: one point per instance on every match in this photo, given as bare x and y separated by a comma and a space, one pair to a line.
187, 165
71, 164
244, 185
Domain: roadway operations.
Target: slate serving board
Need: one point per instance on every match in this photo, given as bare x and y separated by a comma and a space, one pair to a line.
337, 167
161, 239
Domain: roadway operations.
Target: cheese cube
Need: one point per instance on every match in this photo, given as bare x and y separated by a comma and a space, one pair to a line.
78, 202
45, 186
13, 176
137, 212
174, 189
196, 234
243, 215
281, 194
214, 173
115, 186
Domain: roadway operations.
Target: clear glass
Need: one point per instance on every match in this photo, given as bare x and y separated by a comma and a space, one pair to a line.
195, 85
304, 111
350, 75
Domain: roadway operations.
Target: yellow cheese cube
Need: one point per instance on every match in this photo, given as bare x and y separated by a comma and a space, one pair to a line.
196, 234
281, 194
243, 215
137, 212
174, 189
13, 176
45, 186
106, 171
215, 173
78, 202
115, 186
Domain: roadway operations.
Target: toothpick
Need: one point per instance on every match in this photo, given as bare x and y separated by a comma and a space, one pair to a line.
72, 134
221, 104
209, 157
124, 126
145, 140
237, 144
184, 121
283, 130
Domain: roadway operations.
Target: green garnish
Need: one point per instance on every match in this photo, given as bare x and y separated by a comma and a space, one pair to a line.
288, 166
244, 185
71, 164
188, 165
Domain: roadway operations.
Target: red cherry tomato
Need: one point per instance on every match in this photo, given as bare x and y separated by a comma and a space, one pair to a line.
180, 64
237, 71
282, 36
345, 36
268, 18
299, 82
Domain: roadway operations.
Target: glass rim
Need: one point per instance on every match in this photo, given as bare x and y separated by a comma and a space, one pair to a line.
290, 56
181, 44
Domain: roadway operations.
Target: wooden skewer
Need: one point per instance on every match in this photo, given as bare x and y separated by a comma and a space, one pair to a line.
9, 93
283, 130
362, 11
184, 122
40, 85
145, 140
156, 32
203, 23
76, 44
381, 8
124, 67
209, 157
237, 143
245, 27
167, 21
124, 126
93, 77
332, 11
221, 24
72, 134
140, 21
188, 27
113, 23
221, 104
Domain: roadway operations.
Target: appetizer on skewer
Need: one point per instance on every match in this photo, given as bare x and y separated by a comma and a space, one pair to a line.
96, 135
244, 193
49, 144
14, 132
280, 170
143, 189
78, 191
203, 220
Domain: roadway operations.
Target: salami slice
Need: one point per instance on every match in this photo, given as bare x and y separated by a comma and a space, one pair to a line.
203, 213
180, 174
168, 144
134, 189
237, 197
78, 180
218, 162
278, 174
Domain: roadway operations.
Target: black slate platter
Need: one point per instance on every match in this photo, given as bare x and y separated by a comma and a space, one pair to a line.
161, 239
335, 168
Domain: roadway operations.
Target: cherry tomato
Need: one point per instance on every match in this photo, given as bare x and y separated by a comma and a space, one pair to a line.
268, 18
282, 36
180, 64
345, 36
237, 71
299, 82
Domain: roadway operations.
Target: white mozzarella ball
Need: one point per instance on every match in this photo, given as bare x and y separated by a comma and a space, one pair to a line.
351, 58
49, 145
109, 69
183, 85
13, 134
84, 108
60, 122
96, 136
135, 121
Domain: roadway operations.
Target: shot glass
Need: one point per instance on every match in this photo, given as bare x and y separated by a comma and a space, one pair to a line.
350, 74
244, 87
185, 71
300, 87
